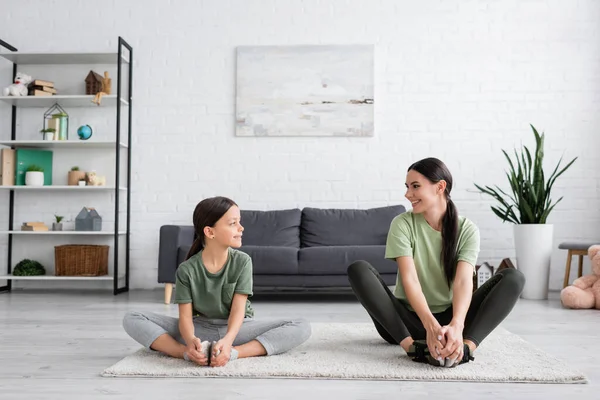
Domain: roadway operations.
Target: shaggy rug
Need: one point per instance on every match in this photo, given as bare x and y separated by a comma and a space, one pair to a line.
355, 351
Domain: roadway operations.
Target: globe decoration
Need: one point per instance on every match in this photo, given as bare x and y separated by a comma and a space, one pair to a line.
84, 132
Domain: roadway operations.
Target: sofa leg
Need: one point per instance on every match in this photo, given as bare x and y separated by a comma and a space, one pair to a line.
168, 292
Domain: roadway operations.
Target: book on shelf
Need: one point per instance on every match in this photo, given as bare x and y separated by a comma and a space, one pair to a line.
39, 93
39, 82
7, 167
34, 227
41, 88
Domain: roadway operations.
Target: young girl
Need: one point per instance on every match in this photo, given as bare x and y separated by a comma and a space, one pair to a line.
434, 314
215, 322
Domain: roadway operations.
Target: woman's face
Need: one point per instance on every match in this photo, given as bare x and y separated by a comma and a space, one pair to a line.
421, 193
228, 230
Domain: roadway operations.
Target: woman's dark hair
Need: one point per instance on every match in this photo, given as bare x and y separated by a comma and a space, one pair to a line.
207, 213
435, 170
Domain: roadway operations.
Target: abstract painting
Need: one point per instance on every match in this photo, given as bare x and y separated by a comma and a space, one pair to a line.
305, 90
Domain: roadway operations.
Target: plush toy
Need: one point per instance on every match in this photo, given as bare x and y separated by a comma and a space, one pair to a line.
95, 180
19, 88
585, 291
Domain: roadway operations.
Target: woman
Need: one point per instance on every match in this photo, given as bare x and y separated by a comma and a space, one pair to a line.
212, 287
434, 314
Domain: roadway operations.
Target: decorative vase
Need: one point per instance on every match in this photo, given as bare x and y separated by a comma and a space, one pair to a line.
57, 226
74, 177
533, 245
34, 178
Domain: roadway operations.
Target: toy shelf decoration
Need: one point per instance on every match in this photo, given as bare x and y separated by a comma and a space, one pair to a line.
57, 118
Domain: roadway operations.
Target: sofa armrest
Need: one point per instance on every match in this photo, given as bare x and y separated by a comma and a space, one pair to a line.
171, 238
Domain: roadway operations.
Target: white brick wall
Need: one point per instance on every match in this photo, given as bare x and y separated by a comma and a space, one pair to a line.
457, 80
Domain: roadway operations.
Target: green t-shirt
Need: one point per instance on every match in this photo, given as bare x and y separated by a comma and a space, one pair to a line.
411, 235
211, 294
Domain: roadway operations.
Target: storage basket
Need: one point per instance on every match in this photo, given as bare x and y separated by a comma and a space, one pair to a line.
80, 260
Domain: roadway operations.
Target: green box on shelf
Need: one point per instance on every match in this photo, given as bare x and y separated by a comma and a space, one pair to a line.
27, 157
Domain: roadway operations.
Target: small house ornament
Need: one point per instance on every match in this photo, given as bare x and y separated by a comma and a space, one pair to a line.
483, 272
93, 83
88, 219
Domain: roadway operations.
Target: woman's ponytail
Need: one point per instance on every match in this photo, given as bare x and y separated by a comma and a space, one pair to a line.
449, 240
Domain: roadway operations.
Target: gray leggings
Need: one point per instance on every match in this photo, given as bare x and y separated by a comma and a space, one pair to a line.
277, 336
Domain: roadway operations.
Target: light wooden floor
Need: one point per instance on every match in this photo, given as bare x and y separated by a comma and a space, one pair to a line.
53, 345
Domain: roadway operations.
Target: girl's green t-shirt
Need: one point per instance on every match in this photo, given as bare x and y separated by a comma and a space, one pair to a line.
211, 294
411, 235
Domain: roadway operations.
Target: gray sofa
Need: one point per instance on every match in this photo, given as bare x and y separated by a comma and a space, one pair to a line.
295, 249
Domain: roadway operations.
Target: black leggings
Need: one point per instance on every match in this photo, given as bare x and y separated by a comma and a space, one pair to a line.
490, 304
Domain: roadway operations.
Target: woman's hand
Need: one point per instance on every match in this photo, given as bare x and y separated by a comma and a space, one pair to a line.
454, 348
194, 352
221, 352
435, 340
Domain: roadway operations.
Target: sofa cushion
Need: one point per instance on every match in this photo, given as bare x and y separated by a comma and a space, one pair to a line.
295, 283
346, 227
276, 260
271, 228
265, 259
335, 260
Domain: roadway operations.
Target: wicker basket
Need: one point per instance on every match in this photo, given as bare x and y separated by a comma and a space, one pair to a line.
80, 260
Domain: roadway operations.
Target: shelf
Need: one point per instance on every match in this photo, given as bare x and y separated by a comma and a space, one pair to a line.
57, 278
64, 233
62, 58
63, 100
61, 187
60, 144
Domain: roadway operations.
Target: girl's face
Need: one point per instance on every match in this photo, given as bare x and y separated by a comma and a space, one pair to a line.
421, 193
228, 230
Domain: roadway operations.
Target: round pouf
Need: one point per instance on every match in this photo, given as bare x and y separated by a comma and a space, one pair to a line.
84, 132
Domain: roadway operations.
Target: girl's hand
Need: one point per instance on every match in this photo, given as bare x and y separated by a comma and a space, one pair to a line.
194, 352
221, 352
454, 342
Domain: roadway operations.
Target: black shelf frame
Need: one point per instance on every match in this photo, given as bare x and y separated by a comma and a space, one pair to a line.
13, 136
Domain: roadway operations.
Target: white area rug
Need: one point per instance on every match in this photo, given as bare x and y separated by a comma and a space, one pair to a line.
355, 351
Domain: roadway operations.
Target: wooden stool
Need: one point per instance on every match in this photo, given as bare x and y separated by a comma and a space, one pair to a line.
574, 249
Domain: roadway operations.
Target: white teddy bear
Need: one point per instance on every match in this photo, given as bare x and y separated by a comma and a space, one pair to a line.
19, 88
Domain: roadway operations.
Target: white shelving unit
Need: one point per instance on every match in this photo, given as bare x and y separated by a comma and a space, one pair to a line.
65, 233
56, 278
60, 144
63, 187
66, 101
119, 101
22, 58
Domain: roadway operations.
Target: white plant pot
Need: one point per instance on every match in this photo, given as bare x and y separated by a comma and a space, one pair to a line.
34, 178
533, 245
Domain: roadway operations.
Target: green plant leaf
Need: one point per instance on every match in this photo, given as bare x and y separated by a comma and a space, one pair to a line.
530, 193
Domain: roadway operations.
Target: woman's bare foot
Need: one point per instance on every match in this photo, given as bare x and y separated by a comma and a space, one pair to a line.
472, 346
406, 343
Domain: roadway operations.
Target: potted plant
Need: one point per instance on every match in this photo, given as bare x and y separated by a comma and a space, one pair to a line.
75, 175
81, 182
57, 226
34, 176
27, 267
528, 208
48, 133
